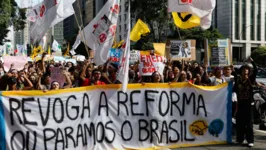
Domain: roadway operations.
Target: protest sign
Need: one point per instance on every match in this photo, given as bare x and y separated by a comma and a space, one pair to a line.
103, 117
178, 50
18, 62
218, 52
115, 55
149, 63
134, 57
57, 75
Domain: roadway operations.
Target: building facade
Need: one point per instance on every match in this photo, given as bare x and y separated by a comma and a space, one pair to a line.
122, 21
243, 21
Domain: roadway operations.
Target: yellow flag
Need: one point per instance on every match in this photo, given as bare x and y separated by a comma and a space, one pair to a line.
139, 29
49, 50
117, 45
67, 51
185, 20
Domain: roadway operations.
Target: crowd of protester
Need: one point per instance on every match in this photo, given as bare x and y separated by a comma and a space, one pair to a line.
37, 75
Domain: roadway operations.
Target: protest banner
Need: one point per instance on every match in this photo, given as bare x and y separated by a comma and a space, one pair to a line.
218, 52
134, 57
17, 61
58, 76
115, 55
178, 50
150, 62
103, 117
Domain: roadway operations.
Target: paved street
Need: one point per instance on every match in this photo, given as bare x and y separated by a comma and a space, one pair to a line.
260, 144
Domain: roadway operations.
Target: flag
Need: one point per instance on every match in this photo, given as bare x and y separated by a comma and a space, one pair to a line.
185, 20
56, 46
139, 29
100, 32
64, 10
49, 50
200, 8
36, 51
123, 70
68, 50
46, 14
63, 7
117, 45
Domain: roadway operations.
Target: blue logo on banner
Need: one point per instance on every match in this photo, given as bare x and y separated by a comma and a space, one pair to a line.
216, 127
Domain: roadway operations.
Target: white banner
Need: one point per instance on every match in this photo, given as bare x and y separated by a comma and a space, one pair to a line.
150, 63
103, 118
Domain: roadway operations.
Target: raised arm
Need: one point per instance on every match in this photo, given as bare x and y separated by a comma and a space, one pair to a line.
69, 82
83, 72
28, 82
43, 63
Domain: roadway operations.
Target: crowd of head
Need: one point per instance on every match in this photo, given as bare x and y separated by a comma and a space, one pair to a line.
37, 75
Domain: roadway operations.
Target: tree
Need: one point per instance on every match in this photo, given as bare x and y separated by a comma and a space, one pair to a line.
151, 11
10, 14
259, 55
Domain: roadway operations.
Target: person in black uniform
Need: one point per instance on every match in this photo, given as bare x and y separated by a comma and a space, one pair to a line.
245, 103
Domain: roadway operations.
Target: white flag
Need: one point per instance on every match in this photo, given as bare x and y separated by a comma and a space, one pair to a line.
63, 6
64, 10
46, 14
122, 75
100, 32
200, 8
56, 46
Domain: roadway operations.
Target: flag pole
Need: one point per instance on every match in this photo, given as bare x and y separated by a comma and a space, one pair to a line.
179, 33
82, 35
82, 26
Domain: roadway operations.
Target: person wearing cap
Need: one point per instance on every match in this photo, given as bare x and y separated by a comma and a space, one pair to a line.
244, 85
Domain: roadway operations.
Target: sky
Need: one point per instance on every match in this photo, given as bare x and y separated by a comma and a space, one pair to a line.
34, 2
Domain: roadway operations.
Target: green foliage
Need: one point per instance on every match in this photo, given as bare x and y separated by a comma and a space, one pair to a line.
10, 14
259, 55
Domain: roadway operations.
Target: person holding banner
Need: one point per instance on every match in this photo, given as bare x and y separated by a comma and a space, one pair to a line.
156, 77
244, 85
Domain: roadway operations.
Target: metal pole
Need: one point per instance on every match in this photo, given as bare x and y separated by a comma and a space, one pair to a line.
82, 32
